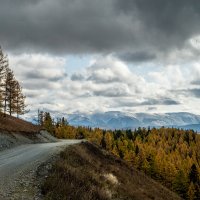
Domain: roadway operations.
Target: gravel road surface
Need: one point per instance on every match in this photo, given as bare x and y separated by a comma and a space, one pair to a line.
17, 167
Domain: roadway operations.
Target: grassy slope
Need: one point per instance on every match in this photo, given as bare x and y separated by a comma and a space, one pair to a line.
86, 172
13, 124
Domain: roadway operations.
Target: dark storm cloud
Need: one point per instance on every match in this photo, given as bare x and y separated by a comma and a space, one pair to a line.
166, 24
91, 26
62, 26
137, 56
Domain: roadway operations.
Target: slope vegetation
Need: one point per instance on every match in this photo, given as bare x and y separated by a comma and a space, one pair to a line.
10, 123
86, 172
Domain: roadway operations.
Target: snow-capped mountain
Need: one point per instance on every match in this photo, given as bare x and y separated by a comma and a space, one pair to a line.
121, 120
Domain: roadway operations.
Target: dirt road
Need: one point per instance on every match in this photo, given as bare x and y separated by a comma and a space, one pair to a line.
17, 165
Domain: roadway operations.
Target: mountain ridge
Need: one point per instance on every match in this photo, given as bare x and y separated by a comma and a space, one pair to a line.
122, 120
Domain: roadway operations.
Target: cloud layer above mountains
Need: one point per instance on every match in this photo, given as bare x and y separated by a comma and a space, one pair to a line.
105, 84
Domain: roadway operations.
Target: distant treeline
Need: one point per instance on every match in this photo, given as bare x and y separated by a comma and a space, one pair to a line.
169, 155
12, 100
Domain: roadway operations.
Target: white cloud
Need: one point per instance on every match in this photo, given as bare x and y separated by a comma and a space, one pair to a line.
108, 69
38, 66
40, 75
168, 77
106, 84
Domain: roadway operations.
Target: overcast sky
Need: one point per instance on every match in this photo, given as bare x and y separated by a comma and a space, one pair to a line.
97, 56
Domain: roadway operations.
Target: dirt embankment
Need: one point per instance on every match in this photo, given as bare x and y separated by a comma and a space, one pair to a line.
14, 132
12, 139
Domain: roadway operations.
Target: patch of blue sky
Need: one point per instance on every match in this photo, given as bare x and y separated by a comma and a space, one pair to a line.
143, 70
75, 64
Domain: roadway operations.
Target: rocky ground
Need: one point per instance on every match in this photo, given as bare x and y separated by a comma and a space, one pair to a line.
26, 184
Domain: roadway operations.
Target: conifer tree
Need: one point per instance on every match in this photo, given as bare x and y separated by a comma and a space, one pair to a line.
19, 100
48, 123
3, 68
10, 92
40, 118
180, 183
64, 121
12, 99
193, 175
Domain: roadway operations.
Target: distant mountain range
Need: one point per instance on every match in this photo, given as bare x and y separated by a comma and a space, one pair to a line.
122, 120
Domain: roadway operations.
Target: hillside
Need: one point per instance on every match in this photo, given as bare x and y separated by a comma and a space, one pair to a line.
168, 155
13, 124
86, 172
14, 132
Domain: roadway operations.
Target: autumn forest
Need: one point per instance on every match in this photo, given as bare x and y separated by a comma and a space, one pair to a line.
168, 155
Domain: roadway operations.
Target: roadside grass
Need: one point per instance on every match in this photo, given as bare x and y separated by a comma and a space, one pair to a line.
86, 172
